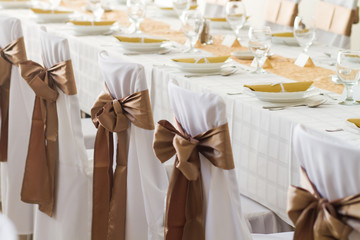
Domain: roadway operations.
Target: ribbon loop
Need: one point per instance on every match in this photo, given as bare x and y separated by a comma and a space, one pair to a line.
315, 217
109, 188
184, 216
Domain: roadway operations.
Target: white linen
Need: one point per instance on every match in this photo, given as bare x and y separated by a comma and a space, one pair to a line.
20, 114
7, 229
147, 180
72, 218
197, 113
332, 166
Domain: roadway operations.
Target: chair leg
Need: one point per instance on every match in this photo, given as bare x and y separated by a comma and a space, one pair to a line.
26, 237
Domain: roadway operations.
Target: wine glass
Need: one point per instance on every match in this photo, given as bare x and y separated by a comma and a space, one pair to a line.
304, 32
96, 8
54, 4
259, 44
180, 6
348, 71
192, 23
236, 16
136, 10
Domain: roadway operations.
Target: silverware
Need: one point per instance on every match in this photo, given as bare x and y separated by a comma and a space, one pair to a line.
161, 52
223, 73
313, 104
334, 130
234, 93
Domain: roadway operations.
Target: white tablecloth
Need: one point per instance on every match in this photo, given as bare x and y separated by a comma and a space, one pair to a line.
261, 139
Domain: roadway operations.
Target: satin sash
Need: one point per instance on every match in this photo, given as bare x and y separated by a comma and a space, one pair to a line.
184, 205
39, 177
316, 218
110, 188
12, 54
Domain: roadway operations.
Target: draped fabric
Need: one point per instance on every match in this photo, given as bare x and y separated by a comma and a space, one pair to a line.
315, 217
12, 54
109, 188
39, 176
184, 206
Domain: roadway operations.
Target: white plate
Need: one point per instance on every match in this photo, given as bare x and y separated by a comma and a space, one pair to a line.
141, 47
244, 55
285, 40
91, 30
219, 25
15, 4
51, 17
284, 97
167, 12
199, 67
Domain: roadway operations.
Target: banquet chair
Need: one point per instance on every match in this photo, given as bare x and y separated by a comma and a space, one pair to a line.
19, 119
67, 215
280, 14
334, 19
138, 184
213, 8
197, 115
331, 169
7, 229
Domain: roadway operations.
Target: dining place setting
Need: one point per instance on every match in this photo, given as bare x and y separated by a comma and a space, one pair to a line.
179, 119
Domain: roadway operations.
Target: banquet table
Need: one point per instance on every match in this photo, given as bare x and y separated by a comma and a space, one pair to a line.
261, 139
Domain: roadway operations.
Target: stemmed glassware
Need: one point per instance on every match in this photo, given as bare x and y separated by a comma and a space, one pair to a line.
259, 44
192, 23
236, 16
348, 71
136, 10
304, 32
180, 6
96, 8
54, 4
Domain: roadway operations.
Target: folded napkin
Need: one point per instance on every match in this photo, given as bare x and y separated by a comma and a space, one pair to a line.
281, 87
355, 121
139, 39
91, 23
202, 60
47, 11
193, 7
283, 34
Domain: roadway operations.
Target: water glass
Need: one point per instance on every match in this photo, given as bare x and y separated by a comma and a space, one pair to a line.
136, 10
54, 4
236, 16
348, 71
192, 23
96, 7
259, 44
180, 6
304, 32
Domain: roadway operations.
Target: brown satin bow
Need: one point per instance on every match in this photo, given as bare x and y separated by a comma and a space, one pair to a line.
39, 177
109, 189
315, 218
184, 209
12, 54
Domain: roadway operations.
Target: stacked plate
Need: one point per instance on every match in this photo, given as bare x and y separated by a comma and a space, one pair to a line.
283, 92
15, 3
45, 15
219, 23
201, 64
92, 27
284, 38
141, 44
168, 11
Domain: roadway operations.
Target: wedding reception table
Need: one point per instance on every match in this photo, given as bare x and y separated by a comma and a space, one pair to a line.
261, 139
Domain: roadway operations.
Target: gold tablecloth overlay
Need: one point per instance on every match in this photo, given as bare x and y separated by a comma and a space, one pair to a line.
281, 66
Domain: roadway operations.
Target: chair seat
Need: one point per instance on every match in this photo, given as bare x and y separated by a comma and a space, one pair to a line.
89, 132
275, 236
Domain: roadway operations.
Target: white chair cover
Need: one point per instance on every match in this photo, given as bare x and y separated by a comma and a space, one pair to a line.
7, 229
212, 9
280, 28
73, 202
21, 105
147, 180
332, 166
333, 39
197, 113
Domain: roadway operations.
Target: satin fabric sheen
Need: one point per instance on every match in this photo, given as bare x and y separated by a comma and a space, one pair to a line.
109, 188
184, 205
39, 177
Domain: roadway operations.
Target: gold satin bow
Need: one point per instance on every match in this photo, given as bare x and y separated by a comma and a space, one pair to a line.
109, 189
39, 177
12, 54
184, 210
315, 218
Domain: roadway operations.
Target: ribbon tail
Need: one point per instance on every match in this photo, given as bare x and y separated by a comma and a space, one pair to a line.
102, 183
36, 186
4, 98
